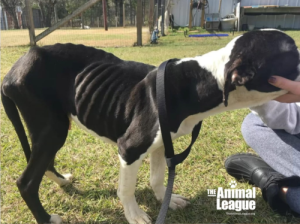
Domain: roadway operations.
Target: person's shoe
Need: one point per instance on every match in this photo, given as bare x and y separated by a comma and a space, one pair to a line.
253, 169
248, 167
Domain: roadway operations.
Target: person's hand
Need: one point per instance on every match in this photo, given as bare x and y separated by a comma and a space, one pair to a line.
292, 87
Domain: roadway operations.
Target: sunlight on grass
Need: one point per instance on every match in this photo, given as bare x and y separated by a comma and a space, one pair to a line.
92, 37
92, 198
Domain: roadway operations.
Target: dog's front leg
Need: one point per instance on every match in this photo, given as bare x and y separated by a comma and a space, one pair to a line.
157, 174
127, 183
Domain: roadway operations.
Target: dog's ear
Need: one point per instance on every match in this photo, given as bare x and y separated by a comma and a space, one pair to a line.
241, 75
236, 74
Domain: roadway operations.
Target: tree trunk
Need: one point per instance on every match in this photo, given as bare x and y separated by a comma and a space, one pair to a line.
121, 12
99, 14
130, 6
106, 15
143, 5
159, 8
82, 21
92, 18
48, 19
16, 22
116, 7
139, 22
47, 9
124, 15
55, 13
151, 16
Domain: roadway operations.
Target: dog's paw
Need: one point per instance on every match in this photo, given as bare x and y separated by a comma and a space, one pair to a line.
135, 215
178, 202
67, 179
55, 219
60, 181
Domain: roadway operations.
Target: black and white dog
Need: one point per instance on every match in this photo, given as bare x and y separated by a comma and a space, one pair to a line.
116, 101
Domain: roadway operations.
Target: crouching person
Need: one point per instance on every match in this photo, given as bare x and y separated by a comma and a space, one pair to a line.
273, 131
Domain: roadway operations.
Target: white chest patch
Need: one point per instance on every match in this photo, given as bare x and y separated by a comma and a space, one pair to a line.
80, 125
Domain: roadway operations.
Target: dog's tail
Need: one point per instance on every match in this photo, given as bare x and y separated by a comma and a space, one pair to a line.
13, 115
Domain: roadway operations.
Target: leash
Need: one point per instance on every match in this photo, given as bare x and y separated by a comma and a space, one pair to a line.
171, 158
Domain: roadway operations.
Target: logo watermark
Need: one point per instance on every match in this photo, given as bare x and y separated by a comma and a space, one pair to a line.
233, 199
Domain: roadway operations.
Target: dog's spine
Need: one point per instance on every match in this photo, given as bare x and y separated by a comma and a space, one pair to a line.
13, 115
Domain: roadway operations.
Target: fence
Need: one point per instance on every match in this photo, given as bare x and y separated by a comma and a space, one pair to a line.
86, 28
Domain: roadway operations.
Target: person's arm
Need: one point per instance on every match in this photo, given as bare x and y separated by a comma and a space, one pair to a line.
276, 115
284, 115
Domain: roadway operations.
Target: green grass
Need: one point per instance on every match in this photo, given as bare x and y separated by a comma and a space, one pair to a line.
92, 197
115, 36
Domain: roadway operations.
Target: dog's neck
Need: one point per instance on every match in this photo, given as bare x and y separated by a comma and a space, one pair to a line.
190, 89
194, 90
215, 61
195, 85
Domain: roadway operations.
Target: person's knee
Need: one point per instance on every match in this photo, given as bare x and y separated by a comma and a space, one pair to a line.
252, 127
249, 124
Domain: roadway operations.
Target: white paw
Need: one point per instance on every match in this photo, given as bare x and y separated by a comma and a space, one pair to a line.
68, 179
55, 219
178, 201
135, 215
60, 181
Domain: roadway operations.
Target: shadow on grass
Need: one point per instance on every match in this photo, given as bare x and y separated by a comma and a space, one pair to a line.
71, 190
201, 210
93, 193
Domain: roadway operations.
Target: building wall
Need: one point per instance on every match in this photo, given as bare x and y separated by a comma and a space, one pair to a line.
2, 18
10, 21
37, 18
270, 2
7, 22
270, 21
180, 10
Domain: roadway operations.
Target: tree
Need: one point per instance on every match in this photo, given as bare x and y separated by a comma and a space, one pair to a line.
47, 10
10, 6
120, 12
132, 4
61, 9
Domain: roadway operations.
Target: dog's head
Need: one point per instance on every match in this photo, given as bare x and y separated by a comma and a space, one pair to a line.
258, 55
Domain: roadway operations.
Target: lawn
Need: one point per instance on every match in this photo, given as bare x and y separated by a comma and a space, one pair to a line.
115, 36
92, 197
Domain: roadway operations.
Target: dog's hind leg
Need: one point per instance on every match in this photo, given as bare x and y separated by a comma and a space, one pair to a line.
157, 174
48, 132
60, 179
127, 183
